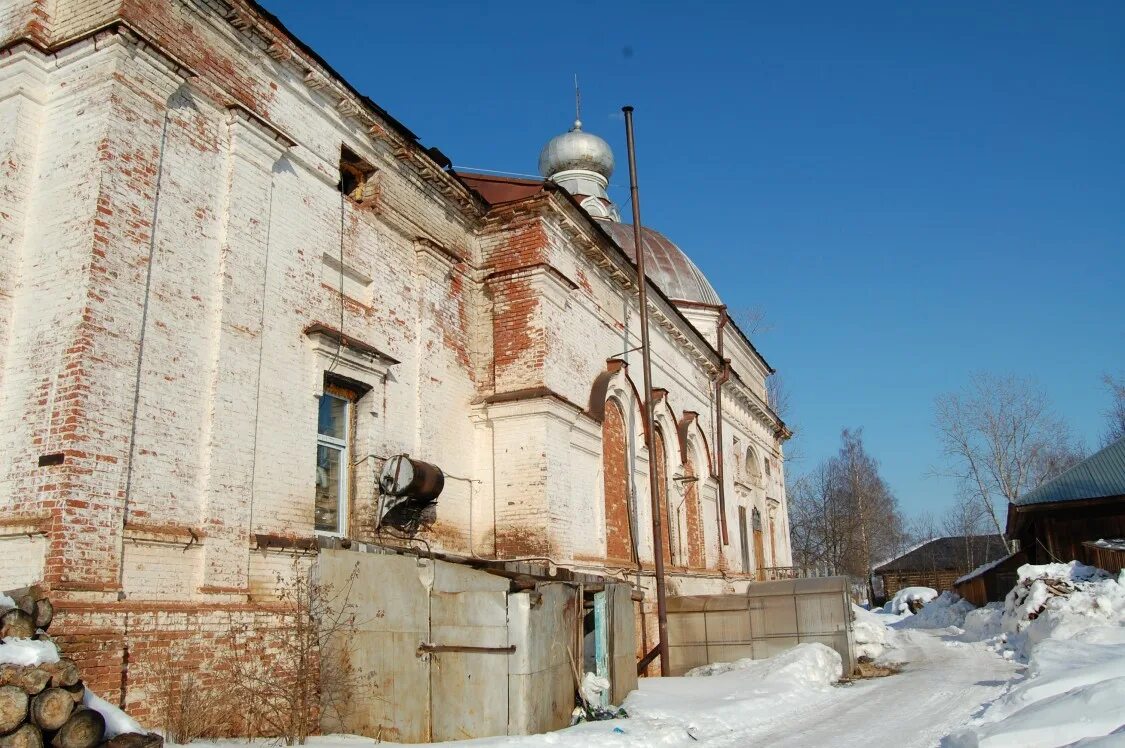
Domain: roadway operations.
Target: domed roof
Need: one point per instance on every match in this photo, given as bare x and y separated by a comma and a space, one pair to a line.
666, 264
576, 150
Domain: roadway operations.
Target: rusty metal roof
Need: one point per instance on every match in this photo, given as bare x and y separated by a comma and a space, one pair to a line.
500, 189
666, 264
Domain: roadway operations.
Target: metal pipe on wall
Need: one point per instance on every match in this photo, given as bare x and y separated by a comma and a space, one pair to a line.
646, 361
720, 380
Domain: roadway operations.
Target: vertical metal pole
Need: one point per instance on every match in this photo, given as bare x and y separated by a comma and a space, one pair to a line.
720, 447
646, 363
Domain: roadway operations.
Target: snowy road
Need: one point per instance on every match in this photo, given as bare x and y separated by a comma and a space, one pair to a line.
941, 688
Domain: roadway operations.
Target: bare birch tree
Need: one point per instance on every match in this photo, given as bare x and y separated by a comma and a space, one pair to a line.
1115, 415
965, 519
819, 523
843, 515
1000, 439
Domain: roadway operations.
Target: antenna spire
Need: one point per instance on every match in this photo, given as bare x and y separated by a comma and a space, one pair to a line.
577, 104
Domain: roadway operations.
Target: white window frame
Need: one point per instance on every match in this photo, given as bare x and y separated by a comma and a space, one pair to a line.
340, 445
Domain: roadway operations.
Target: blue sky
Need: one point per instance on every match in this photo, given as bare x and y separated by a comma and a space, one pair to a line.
910, 191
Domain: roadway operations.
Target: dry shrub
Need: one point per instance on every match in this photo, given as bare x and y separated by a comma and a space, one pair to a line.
284, 679
190, 705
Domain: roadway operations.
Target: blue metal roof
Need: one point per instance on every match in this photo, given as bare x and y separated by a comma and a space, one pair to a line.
1099, 475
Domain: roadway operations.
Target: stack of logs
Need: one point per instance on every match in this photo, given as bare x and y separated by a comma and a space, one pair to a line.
43, 704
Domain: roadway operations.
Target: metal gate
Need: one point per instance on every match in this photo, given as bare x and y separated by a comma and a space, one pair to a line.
469, 655
444, 652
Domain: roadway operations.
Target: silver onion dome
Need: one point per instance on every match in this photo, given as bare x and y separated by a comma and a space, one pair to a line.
576, 150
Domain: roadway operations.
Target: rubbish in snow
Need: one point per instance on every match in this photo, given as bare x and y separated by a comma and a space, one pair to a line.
909, 600
591, 690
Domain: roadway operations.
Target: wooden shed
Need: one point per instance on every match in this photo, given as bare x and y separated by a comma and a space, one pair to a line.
1063, 519
939, 562
992, 581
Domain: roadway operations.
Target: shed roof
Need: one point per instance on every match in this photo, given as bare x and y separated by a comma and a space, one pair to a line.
949, 553
1099, 476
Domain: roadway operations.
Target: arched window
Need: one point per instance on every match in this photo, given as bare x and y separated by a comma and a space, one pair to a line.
693, 512
615, 472
660, 475
753, 470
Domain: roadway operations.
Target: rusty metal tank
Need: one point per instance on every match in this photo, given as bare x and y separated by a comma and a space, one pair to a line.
411, 479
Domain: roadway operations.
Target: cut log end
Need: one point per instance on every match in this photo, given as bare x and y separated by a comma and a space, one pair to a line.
84, 729
52, 708
16, 623
13, 708
43, 614
64, 673
34, 680
27, 736
77, 691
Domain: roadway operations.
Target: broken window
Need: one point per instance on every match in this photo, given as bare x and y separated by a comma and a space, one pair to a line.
357, 177
333, 459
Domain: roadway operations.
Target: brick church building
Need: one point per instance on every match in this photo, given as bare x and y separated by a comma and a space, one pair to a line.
231, 286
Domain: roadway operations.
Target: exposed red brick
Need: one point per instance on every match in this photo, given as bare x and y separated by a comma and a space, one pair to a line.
615, 469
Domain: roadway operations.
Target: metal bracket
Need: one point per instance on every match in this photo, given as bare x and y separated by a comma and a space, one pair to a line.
428, 648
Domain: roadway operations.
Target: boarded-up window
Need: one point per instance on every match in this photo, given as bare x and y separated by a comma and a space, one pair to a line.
753, 471
745, 539
759, 548
694, 513
615, 469
660, 475
773, 535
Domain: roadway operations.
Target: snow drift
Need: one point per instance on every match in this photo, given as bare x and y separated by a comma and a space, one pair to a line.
871, 635
900, 603
714, 699
946, 610
1068, 622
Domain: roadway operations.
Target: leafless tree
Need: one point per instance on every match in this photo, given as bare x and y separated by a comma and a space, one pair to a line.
777, 394
819, 524
1115, 415
752, 320
965, 519
844, 516
1000, 439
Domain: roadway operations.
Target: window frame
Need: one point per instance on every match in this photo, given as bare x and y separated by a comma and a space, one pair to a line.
343, 446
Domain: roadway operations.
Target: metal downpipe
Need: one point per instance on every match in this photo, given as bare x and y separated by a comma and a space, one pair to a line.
646, 359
